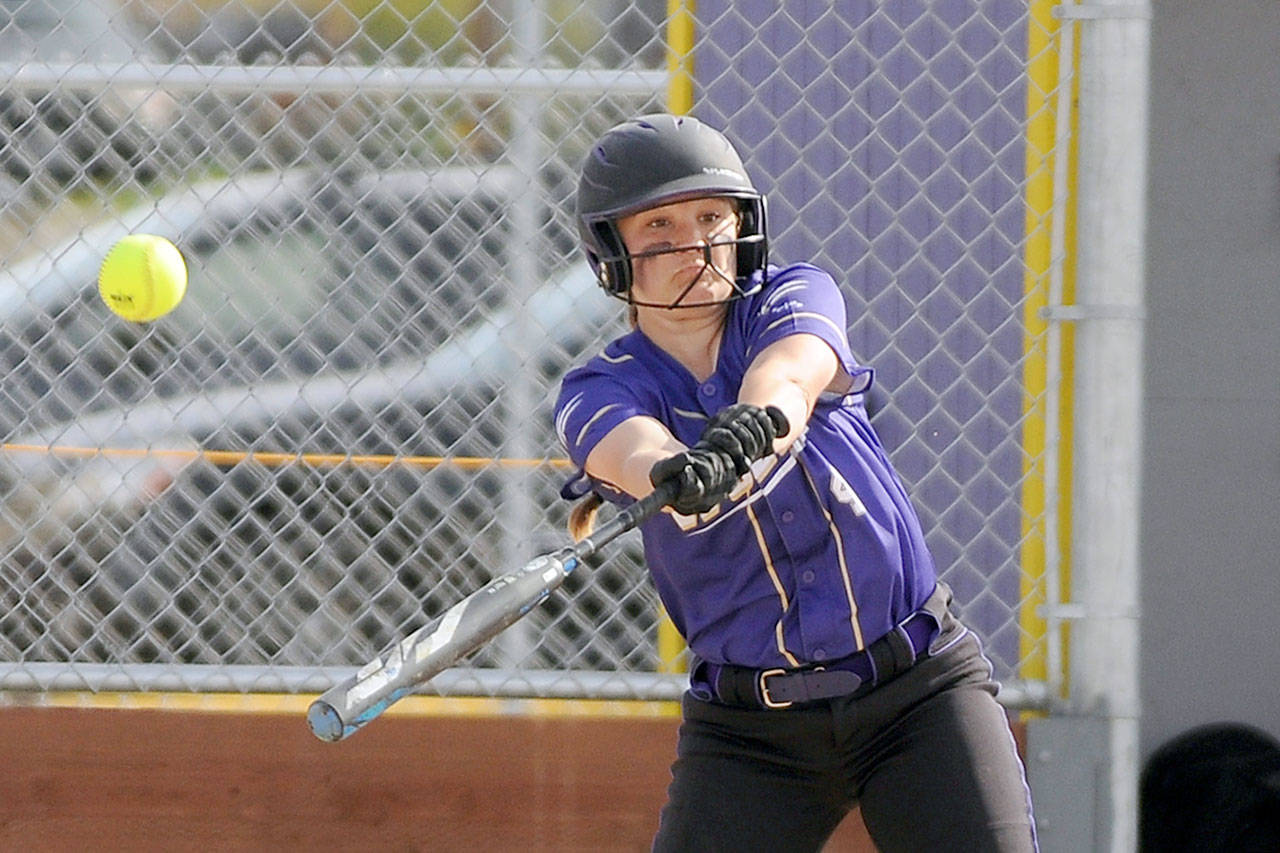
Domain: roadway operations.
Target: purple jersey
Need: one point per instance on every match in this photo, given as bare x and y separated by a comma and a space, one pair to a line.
818, 552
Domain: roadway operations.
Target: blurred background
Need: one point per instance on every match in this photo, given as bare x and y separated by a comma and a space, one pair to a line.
374, 201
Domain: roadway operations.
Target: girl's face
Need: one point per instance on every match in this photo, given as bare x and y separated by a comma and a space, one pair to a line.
683, 254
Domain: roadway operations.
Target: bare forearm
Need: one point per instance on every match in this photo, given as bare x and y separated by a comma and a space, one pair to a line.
626, 455
792, 397
791, 374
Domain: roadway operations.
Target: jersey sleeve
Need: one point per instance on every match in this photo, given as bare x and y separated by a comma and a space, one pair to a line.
803, 299
590, 405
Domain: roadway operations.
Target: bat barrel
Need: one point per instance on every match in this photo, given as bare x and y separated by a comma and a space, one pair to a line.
461, 629
325, 722
479, 617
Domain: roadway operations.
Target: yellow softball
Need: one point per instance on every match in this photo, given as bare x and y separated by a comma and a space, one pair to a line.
143, 277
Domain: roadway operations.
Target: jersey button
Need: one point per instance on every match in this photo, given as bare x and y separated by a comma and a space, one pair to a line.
807, 577
709, 389
788, 516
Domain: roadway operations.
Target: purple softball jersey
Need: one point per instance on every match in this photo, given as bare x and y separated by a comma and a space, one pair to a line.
818, 552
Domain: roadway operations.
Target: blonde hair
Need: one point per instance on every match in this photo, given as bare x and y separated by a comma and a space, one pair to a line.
582, 518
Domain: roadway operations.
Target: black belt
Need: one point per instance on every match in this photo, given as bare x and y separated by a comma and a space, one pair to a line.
883, 660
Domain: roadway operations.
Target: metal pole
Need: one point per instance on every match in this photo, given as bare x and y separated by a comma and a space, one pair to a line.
1114, 47
523, 683
1053, 422
526, 79
526, 257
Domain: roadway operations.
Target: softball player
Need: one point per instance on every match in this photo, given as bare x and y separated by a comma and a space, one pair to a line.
828, 670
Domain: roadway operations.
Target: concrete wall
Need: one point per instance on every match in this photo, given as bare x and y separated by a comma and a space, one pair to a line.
1211, 512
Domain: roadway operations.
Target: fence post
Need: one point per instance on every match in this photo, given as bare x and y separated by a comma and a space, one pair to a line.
1114, 47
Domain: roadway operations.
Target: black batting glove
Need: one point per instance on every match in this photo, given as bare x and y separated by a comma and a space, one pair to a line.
706, 476
745, 433
708, 471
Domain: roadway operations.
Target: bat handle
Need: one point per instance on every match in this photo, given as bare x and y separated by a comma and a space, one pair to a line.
640, 511
628, 519
663, 495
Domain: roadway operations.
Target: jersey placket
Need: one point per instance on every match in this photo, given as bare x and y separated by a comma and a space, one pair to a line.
794, 523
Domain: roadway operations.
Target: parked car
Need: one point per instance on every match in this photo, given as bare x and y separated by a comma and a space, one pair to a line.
356, 315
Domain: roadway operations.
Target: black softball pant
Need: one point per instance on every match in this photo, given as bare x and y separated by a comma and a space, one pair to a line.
929, 758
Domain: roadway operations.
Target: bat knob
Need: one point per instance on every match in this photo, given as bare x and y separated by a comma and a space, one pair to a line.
325, 722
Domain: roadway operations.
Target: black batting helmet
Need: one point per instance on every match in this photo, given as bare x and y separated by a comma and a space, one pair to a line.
654, 160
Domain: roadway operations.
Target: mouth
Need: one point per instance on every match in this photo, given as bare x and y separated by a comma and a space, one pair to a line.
701, 274
694, 272
699, 281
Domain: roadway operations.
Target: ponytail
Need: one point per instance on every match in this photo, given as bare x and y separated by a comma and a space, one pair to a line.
582, 518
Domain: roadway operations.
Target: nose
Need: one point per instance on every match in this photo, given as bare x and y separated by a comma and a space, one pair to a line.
690, 234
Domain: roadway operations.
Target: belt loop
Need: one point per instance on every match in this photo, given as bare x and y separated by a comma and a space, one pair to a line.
702, 679
903, 646
901, 652
883, 658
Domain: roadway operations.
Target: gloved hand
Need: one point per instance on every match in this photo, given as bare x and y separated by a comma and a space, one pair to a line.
706, 477
734, 438
744, 432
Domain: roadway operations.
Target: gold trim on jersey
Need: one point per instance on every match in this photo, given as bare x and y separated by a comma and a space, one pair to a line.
777, 586
808, 315
746, 491
591, 420
845, 575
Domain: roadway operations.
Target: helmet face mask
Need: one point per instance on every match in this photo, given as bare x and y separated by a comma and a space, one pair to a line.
656, 160
616, 272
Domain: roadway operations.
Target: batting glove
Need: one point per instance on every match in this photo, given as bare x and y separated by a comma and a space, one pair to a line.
745, 433
706, 476
709, 470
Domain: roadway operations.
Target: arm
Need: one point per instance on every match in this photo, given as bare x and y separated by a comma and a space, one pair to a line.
629, 451
790, 373
704, 474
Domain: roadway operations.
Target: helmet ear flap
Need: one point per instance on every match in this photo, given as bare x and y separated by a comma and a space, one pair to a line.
753, 245
610, 260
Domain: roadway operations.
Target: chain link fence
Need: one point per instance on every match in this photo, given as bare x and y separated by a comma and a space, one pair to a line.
345, 428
